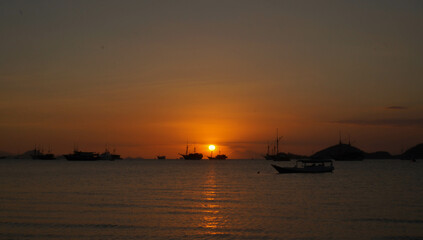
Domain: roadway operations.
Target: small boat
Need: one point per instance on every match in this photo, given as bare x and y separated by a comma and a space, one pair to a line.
307, 166
161, 157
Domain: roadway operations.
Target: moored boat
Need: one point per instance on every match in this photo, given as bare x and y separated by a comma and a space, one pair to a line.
191, 156
82, 156
307, 166
108, 156
38, 154
277, 156
218, 157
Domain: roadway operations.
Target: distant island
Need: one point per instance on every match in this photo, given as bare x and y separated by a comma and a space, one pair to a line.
347, 152
344, 152
340, 152
413, 153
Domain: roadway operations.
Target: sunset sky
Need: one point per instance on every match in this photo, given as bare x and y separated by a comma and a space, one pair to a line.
147, 76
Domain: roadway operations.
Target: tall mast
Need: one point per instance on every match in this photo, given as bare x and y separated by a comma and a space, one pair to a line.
268, 146
277, 141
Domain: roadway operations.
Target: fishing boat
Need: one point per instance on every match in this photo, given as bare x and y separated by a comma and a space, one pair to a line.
307, 166
161, 157
191, 156
277, 156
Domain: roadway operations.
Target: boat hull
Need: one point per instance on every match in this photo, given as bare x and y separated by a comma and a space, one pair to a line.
311, 169
43, 157
82, 156
77, 158
277, 157
192, 156
219, 157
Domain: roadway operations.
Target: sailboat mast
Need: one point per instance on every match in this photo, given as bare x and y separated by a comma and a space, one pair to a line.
277, 141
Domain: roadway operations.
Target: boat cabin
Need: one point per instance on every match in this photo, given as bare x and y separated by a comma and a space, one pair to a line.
312, 163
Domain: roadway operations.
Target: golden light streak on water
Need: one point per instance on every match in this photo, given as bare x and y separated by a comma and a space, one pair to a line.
212, 218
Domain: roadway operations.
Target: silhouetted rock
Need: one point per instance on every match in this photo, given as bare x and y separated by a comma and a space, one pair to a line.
415, 152
340, 152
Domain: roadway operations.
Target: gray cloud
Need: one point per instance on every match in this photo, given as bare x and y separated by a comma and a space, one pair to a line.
396, 108
415, 122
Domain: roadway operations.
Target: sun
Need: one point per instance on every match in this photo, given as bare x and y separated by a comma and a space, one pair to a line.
212, 147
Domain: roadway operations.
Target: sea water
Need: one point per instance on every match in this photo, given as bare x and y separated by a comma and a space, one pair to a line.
230, 199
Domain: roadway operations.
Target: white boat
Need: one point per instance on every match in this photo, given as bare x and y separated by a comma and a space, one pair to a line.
307, 166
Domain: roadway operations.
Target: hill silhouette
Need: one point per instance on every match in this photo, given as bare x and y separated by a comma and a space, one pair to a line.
415, 152
340, 152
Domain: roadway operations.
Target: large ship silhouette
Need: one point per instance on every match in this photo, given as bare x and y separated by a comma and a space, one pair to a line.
38, 154
191, 156
218, 156
91, 156
81, 156
107, 155
277, 156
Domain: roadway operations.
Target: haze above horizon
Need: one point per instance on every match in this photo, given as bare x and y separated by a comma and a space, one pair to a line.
145, 76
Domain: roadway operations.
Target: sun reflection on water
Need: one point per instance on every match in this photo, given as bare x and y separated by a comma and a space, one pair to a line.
212, 218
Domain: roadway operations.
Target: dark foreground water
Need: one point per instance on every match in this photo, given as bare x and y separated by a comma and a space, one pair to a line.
233, 199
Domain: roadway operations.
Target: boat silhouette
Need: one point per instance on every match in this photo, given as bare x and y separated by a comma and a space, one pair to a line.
277, 156
107, 155
218, 156
191, 156
38, 154
307, 166
81, 156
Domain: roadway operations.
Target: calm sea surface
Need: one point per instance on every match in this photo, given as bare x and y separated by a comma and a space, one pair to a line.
232, 199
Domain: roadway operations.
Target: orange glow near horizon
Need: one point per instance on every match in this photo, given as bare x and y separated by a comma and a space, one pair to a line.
145, 94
